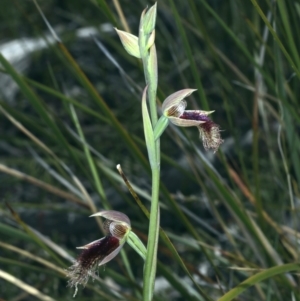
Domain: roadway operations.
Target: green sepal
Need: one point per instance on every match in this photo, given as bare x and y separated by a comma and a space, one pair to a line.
148, 130
160, 126
136, 244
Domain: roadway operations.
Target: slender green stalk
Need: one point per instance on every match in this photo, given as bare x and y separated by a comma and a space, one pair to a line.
148, 55
151, 258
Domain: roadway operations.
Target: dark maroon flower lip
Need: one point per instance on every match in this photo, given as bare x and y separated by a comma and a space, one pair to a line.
91, 256
194, 115
97, 251
209, 131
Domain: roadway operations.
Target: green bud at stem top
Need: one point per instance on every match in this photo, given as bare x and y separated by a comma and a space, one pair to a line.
149, 19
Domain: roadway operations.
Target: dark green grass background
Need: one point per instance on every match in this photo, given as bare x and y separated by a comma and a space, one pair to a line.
229, 215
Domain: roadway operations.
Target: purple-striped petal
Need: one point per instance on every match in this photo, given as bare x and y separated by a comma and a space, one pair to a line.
174, 99
113, 216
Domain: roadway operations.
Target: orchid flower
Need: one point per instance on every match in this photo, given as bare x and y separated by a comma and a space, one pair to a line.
174, 110
97, 253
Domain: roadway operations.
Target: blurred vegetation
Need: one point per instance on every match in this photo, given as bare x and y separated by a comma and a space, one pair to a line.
229, 215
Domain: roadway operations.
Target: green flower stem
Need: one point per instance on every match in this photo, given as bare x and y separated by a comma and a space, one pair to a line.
149, 59
151, 257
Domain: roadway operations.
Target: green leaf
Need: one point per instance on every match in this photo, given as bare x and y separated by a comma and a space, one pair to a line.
24, 286
257, 278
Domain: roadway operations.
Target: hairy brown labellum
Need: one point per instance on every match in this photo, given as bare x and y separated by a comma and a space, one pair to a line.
91, 256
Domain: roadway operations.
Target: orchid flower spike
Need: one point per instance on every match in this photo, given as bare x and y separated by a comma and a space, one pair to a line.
101, 251
174, 109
